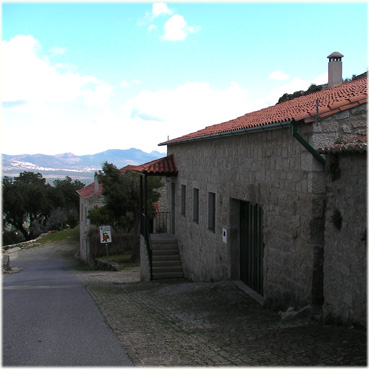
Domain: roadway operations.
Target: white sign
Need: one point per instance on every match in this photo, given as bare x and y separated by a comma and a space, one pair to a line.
224, 235
105, 234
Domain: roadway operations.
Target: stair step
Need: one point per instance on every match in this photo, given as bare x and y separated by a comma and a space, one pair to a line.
162, 239
166, 258
165, 252
170, 269
165, 246
166, 263
167, 275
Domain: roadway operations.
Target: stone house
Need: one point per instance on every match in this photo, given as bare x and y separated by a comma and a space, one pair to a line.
251, 200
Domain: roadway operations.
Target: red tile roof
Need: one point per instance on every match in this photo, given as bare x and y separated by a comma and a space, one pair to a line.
161, 167
357, 143
89, 190
328, 101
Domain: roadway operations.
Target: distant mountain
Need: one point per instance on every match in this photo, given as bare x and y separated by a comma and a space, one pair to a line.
77, 167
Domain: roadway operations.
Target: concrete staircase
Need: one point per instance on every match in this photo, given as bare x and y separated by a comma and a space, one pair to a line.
166, 261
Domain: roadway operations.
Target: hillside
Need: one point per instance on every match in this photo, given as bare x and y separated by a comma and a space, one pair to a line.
77, 167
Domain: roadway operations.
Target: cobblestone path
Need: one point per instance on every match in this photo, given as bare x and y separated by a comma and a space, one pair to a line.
213, 324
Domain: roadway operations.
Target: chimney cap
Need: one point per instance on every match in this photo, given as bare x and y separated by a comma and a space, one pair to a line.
335, 55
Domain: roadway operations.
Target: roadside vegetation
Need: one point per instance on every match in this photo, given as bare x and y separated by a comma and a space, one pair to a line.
32, 207
71, 234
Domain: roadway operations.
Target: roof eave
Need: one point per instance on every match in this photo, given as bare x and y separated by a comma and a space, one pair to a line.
265, 127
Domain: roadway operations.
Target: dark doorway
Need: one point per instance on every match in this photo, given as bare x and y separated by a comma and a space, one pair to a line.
251, 245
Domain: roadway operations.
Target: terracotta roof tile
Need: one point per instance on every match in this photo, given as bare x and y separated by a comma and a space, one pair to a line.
89, 190
163, 166
355, 143
329, 101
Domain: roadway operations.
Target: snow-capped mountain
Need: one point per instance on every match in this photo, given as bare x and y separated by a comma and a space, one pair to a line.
77, 167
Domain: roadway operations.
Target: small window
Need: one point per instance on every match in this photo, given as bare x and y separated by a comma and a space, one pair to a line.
196, 205
183, 200
211, 211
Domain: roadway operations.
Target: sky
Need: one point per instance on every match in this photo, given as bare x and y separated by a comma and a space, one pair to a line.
87, 77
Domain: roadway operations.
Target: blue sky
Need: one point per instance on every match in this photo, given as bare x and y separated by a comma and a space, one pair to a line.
88, 77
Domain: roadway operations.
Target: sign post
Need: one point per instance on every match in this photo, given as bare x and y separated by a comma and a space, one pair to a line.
105, 237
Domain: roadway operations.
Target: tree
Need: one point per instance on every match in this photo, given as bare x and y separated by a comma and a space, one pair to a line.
66, 190
26, 204
121, 195
66, 202
31, 206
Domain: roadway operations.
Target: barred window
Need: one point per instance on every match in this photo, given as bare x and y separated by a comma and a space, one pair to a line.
211, 211
196, 205
183, 200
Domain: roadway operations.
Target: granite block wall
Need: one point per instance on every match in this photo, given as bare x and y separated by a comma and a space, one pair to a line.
345, 267
271, 169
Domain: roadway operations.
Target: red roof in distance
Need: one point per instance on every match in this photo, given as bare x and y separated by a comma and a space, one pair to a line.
89, 190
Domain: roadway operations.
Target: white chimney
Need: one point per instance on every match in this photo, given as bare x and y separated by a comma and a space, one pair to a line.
96, 179
335, 69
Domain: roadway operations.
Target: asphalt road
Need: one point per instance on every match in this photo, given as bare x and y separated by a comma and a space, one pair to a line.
49, 319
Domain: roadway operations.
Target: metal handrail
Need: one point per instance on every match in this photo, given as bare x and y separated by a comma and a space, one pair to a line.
160, 221
145, 231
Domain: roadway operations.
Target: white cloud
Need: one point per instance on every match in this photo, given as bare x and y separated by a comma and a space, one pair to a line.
63, 66
28, 76
99, 96
43, 97
278, 74
152, 27
187, 108
58, 50
37, 110
160, 8
133, 82
157, 9
296, 84
176, 29
321, 79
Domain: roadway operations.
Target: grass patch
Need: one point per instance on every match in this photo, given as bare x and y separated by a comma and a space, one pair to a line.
68, 234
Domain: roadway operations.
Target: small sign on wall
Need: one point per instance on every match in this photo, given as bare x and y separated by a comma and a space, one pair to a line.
224, 235
105, 234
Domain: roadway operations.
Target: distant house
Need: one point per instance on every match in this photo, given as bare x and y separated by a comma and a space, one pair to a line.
252, 200
91, 196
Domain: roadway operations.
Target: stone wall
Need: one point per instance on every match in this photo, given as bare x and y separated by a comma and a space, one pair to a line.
272, 169
345, 267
